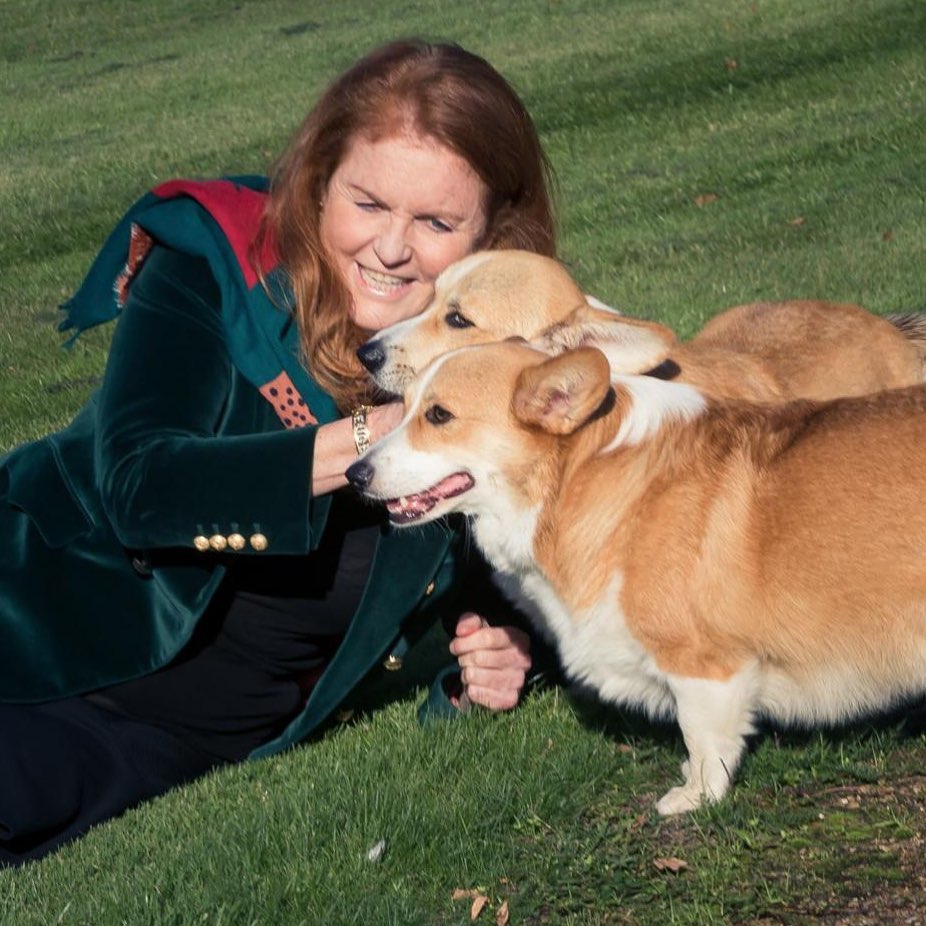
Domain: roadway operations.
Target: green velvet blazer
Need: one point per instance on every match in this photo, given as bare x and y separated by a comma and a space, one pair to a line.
119, 529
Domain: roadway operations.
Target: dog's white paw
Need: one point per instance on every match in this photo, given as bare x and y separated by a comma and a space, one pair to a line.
682, 799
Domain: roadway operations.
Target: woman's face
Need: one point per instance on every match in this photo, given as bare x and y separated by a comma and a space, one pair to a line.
397, 212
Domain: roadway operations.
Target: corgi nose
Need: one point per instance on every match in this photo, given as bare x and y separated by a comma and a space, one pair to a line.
372, 355
359, 475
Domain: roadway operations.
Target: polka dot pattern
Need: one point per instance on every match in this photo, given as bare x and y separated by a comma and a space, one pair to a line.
290, 407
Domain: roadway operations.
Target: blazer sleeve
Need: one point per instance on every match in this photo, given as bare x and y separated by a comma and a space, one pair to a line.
173, 458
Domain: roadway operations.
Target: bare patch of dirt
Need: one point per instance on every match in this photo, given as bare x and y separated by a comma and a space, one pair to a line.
878, 878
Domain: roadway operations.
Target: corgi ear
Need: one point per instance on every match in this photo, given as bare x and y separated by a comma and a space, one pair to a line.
563, 392
631, 345
598, 304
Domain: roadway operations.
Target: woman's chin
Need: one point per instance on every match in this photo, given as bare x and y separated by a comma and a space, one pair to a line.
373, 314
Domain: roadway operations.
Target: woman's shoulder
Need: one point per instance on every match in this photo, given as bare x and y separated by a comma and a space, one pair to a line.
168, 274
203, 222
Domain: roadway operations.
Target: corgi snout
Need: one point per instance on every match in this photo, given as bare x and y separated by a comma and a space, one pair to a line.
372, 355
360, 475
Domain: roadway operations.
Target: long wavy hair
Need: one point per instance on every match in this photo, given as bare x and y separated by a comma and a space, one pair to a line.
439, 91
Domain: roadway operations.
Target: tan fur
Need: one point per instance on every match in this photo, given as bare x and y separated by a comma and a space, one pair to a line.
812, 349
755, 533
718, 559
770, 493
763, 351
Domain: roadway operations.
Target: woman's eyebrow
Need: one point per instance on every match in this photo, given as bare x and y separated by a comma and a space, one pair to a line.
356, 189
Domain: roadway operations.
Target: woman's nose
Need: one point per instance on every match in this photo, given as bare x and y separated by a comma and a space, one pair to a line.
391, 245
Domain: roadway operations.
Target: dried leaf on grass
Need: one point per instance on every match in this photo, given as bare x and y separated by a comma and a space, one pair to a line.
478, 903
675, 865
464, 893
705, 199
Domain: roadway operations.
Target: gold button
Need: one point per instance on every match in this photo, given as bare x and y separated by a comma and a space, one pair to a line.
218, 542
429, 590
236, 541
259, 542
392, 663
201, 543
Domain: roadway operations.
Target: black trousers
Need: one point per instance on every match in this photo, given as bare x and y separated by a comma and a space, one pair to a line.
68, 765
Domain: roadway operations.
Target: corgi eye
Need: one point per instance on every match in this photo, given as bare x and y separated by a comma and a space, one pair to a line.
437, 414
456, 319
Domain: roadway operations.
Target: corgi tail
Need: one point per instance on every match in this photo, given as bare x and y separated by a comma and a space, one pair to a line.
912, 325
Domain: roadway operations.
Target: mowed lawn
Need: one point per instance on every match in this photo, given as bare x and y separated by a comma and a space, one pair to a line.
708, 153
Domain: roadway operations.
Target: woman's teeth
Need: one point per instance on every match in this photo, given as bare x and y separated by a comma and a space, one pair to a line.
381, 283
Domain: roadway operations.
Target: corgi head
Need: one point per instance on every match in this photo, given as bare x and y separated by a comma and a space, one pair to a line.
494, 295
481, 431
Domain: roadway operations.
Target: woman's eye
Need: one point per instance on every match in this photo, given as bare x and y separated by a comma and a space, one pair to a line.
438, 225
437, 414
367, 205
456, 319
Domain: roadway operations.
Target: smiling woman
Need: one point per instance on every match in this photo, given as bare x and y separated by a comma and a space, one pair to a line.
391, 236
445, 116
218, 592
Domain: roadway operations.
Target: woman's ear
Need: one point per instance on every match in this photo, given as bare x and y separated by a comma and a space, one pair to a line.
562, 393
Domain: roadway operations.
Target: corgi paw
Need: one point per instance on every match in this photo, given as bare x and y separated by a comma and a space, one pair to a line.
683, 799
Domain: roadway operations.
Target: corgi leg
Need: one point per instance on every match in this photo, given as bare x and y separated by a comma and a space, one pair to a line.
715, 719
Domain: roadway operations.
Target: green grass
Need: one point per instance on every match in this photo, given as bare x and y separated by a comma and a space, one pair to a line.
546, 809
804, 125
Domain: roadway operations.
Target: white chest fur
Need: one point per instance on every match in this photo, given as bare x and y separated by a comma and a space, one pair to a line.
597, 649
595, 646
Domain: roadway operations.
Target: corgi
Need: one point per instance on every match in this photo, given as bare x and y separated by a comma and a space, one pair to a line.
709, 560
765, 351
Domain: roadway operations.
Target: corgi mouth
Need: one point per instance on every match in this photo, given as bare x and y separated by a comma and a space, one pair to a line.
410, 508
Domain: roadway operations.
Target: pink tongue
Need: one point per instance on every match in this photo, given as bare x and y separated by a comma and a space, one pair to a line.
419, 504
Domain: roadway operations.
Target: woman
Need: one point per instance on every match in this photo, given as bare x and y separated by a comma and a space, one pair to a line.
187, 583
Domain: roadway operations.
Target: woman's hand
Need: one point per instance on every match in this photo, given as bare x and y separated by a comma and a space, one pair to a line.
335, 450
493, 661
381, 419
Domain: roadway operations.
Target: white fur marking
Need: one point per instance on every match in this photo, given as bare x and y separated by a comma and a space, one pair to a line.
458, 270
654, 402
715, 718
598, 304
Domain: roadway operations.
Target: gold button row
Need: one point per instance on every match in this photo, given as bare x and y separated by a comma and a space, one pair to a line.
236, 542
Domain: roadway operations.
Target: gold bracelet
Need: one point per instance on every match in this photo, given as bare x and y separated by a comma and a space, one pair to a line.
358, 418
